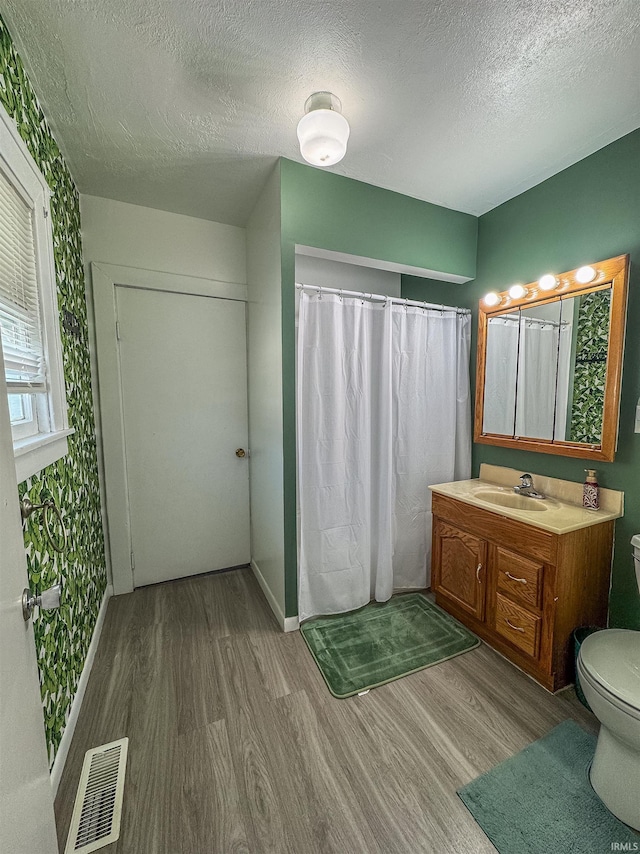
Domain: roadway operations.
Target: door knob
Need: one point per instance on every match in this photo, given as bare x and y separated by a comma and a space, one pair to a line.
48, 600
240, 452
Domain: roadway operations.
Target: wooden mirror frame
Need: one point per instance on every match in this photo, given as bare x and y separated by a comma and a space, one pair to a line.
613, 273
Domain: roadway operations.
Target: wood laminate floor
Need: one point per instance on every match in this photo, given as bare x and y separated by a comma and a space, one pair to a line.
236, 744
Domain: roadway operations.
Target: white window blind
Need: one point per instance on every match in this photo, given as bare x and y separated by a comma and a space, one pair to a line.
20, 321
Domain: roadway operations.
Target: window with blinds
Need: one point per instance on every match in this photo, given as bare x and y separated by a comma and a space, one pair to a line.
29, 315
20, 317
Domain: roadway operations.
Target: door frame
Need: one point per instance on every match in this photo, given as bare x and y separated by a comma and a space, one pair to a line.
104, 280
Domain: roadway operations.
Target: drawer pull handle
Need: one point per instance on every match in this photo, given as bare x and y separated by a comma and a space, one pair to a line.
511, 626
513, 577
478, 569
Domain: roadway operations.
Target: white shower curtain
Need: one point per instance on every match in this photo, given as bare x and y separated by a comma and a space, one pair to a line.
383, 411
543, 380
500, 376
537, 367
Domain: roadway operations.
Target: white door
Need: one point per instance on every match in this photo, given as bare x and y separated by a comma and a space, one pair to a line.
27, 824
184, 397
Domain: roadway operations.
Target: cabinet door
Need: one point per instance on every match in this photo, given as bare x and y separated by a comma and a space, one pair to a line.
459, 568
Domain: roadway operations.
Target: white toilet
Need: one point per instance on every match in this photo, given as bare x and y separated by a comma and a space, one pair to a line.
609, 673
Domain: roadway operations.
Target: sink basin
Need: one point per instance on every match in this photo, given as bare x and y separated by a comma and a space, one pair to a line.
510, 499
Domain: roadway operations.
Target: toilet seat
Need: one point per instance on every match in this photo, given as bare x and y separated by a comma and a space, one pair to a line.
610, 660
599, 688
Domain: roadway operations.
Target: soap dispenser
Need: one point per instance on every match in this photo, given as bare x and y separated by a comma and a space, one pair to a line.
590, 498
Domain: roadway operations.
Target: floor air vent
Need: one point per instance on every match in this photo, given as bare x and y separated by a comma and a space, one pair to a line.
96, 813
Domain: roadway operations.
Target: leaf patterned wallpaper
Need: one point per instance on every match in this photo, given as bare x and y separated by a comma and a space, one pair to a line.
63, 636
590, 369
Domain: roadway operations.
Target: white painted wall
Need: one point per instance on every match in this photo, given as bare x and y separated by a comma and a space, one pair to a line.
337, 274
264, 278
148, 239
134, 236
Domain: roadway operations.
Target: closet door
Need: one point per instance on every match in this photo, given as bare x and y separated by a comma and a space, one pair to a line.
184, 399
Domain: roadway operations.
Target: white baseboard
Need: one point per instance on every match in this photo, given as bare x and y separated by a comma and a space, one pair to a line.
287, 624
67, 736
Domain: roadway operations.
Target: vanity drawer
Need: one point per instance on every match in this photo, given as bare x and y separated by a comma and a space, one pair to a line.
519, 578
519, 626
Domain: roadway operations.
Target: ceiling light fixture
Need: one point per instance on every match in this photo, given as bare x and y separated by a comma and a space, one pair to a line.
585, 275
492, 298
323, 131
548, 282
517, 291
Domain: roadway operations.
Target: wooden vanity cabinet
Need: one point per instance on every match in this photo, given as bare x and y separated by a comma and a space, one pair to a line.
521, 589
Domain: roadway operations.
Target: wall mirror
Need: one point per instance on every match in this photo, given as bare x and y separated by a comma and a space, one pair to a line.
550, 362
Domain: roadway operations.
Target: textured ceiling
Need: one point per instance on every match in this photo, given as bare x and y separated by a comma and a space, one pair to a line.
184, 105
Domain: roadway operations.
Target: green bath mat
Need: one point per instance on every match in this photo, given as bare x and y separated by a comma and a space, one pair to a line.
541, 800
382, 642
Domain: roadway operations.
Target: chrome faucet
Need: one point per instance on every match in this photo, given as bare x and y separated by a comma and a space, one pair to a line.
526, 487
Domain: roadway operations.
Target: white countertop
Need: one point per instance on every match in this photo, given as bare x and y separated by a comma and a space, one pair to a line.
553, 514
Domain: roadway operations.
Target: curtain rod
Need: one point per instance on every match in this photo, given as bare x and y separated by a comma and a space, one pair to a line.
382, 298
525, 319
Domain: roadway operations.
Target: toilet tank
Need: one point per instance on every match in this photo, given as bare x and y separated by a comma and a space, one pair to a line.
635, 542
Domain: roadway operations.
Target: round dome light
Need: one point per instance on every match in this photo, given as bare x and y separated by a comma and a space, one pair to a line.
491, 299
517, 291
323, 132
548, 282
584, 275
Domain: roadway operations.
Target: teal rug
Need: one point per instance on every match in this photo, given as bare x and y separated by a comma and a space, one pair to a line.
541, 801
382, 642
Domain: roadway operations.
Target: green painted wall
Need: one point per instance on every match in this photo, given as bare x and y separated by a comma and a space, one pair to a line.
435, 291
333, 212
63, 636
329, 211
586, 213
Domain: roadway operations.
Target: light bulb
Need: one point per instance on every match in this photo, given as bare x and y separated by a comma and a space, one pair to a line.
323, 136
548, 282
517, 291
585, 275
492, 298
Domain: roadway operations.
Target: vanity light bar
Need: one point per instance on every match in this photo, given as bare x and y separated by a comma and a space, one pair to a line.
548, 282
